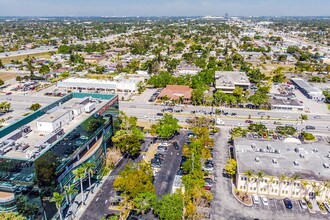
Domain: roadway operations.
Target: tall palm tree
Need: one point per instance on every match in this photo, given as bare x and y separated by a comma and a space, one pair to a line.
303, 184
58, 199
293, 179
270, 182
282, 179
249, 174
90, 169
80, 174
326, 187
260, 177
70, 190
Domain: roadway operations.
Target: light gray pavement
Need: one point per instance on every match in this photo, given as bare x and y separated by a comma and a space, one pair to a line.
226, 207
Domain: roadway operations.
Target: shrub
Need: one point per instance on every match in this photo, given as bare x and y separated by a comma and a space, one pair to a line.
308, 136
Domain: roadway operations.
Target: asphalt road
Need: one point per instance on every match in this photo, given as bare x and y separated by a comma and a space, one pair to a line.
165, 177
99, 206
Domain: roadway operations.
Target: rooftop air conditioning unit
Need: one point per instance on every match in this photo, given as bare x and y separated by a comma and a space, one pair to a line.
302, 156
326, 165
257, 159
296, 163
274, 161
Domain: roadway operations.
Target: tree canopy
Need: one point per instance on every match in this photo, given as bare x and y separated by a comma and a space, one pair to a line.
170, 207
136, 178
166, 127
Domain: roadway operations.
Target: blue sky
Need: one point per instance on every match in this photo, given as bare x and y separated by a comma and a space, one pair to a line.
164, 8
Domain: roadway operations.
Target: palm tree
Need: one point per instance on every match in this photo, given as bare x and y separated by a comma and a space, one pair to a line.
282, 178
270, 182
70, 190
90, 168
58, 199
181, 99
304, 184
326, 186
249, 174
80, 174
294, 178
260, 177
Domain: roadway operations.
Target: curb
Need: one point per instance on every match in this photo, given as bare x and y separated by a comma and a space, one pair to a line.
232, 191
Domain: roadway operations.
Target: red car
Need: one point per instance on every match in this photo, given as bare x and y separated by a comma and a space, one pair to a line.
9, 93
249, 121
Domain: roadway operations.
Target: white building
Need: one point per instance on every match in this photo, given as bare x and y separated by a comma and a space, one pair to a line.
228, 80
54, 120
286, 168
99, 85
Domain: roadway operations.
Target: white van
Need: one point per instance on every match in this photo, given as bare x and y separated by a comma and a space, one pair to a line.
220, 122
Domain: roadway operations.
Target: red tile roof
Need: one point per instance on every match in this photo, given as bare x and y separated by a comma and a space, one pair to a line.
175, 91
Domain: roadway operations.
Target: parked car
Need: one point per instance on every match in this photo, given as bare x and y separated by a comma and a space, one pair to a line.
310, 127
317, 116
288, 203
303, 204
264, 200
249, 121
261, 113
159, 114
9, 93
255, 199
176, 145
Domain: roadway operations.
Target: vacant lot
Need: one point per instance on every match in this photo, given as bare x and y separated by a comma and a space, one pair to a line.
7, 60
8, 75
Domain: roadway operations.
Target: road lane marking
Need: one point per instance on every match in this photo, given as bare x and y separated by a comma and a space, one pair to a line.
97, 199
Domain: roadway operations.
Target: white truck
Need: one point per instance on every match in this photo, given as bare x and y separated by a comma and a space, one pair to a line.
89, 107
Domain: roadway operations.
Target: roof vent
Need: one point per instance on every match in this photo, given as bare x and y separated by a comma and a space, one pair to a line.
302, 156
296, 163
274, 161
296, 150
315, 150
257, 159
326, 165
269, 147
253, 146
277, 151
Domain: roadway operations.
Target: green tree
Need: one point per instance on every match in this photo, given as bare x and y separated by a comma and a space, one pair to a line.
35, 106
58, 199
231, 167
144, 201
44, 69
170, 207
136, 178
80, 173
167, 126
92, 124
64, 49
260, 177
1, 82
1, 64
5, 106
90, 169
70, 190
11, 216
128, 138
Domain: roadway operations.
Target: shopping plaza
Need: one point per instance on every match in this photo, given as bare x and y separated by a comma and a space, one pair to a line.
40, 152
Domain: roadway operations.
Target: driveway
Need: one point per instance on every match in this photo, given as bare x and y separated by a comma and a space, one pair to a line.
225, 206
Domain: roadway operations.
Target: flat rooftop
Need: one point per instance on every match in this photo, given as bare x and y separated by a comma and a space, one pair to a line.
285, 102
308, 159
27, 140
230, 79
304, 85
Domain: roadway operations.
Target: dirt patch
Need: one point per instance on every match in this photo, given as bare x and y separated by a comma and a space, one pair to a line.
151, 152
8, 75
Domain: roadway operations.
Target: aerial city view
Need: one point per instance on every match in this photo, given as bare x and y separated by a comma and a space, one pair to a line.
164, 110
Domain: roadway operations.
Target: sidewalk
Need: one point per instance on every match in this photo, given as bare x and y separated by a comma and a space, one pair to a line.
76, 210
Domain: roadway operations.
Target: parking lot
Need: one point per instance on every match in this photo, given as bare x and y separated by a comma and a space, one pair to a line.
277, 206
165, 176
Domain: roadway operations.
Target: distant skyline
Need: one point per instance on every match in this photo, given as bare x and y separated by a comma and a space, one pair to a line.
164, 8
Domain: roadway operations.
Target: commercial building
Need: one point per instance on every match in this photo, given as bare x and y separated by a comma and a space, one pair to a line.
177, 93
286, 104
290, 169
228, 80
308, 90
93, 85
39, 153
185, 68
